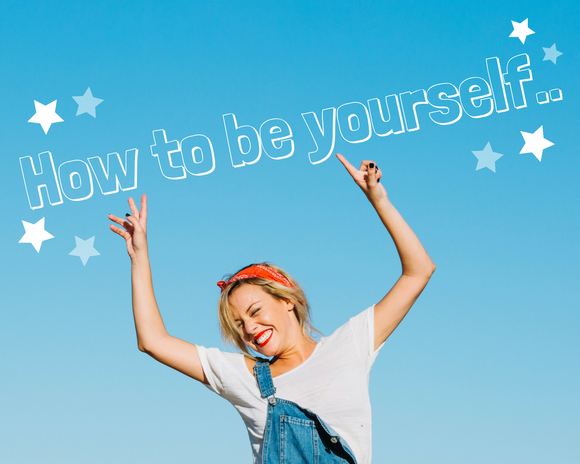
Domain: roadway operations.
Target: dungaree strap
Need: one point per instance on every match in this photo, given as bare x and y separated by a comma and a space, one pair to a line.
264, 377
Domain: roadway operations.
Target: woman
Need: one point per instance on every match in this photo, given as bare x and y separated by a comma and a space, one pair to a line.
262, 309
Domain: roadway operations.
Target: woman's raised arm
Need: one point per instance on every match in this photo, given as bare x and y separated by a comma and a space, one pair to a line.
152, 338
416, 263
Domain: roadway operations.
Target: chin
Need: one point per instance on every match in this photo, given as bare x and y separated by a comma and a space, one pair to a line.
268, 351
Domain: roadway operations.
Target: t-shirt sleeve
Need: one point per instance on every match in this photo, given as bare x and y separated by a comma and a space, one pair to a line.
363, 327
214, 362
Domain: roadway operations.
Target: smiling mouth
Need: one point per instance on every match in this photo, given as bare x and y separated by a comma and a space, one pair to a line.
263, 337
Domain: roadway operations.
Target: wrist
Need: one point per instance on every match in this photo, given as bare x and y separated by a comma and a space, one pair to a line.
140, 258
381, 202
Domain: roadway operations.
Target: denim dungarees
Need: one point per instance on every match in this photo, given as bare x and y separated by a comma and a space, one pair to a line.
295, 435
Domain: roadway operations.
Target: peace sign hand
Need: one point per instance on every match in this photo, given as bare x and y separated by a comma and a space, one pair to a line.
134, 228
368, 178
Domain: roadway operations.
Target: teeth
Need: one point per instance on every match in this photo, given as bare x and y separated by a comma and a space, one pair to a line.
264, 337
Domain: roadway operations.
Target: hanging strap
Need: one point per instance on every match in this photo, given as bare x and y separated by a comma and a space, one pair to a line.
264, 379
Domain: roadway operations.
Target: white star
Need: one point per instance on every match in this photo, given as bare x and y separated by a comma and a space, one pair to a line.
84, 249
535, 143
551, 54
486, 158
35, 234
87, 103
45, 115
521, 30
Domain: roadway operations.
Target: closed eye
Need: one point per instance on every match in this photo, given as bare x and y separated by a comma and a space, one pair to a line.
255, 311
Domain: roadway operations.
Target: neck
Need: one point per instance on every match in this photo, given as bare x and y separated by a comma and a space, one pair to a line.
297, 352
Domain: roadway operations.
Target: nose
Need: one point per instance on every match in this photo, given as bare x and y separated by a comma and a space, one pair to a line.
250, 330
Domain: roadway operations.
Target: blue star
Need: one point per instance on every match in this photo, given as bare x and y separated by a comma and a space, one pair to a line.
87, 103
486, 158
84, 249
551, 54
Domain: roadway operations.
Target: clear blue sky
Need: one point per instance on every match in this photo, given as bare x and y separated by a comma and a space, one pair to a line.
484, 369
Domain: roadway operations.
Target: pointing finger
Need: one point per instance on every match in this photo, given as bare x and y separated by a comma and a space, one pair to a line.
349, 167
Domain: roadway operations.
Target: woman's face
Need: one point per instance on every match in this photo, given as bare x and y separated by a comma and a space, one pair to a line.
267, 325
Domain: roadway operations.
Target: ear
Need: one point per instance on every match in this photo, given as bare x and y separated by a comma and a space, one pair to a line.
289, 305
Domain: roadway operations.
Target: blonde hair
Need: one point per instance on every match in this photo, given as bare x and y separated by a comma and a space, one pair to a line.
229, 327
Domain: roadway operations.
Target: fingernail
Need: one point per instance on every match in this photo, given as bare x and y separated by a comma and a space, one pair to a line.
371, 165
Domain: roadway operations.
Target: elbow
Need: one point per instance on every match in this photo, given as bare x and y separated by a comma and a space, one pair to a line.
146, 350
150, 345
432, 268
423, 273
144, 347
429, 270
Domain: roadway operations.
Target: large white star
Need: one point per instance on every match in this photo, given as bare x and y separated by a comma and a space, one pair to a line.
35, 234
535, 143
87, 103
84, 249
551, 54
45, 115
521, 30
486, 158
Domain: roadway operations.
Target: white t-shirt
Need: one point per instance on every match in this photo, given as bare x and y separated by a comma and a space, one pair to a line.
333, 382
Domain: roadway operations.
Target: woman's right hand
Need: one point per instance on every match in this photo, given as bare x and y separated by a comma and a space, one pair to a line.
134, 229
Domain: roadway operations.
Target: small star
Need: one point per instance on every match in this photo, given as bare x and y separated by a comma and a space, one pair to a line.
486, 158
551, 54
521, 30
45, 115
535, 143
35, 234
84, 249
87, 103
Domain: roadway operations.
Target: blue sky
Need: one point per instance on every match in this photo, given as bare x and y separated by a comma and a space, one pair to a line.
483, 369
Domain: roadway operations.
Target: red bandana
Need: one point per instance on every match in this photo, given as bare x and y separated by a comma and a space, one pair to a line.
258, 270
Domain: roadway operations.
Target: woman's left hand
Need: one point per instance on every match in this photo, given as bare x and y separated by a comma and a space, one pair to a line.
368, 178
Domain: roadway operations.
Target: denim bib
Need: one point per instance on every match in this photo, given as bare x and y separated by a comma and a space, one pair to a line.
295, 435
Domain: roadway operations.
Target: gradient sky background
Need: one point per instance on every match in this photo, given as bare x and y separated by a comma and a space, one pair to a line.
484, 369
